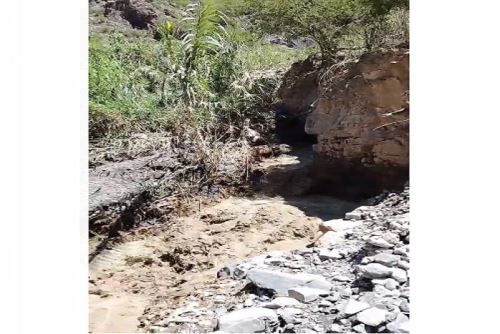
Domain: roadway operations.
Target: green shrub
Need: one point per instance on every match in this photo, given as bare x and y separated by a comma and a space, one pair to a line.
123, 80
333, 24
214, 75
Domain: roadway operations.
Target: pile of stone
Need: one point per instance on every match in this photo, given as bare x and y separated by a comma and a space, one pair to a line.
356, 281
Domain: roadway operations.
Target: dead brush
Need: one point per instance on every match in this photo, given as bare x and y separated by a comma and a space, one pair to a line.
207, 158
136, 145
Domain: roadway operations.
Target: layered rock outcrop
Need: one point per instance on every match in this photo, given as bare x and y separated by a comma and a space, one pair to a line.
360, 116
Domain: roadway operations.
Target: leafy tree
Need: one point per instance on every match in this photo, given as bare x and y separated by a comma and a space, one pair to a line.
375, 25
328, 22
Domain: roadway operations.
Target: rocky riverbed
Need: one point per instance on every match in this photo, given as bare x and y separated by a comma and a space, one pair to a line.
354, 278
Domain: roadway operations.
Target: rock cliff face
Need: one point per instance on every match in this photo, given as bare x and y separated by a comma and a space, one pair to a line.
360, 117
299, 90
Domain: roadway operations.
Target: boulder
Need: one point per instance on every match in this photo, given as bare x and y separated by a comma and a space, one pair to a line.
372, 316
375, 270
282, 282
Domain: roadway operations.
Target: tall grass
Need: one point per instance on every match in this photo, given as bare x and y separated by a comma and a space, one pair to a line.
218, 73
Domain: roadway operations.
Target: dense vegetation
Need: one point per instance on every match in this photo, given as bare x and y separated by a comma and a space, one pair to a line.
213, 68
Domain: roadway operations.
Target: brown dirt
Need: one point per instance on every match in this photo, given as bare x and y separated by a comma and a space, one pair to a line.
157, 269
156, 273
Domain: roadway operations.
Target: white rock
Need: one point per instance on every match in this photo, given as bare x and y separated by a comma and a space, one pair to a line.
339, 225
220, 310
324, 303
342, 278
405, 292
384, 292
401, 251
336, 328
404, 306
334, 296
248, 320
241, 270
346, 292
385, 259
326, 254
388, 283
404, 265
378, 242
400, 325
319, 328
330, 238
399, 275
319, 284
372, 316
393, 315
281, 282
391, 284
290, 315
275, 254
395, 225
359, 328
248, 302
367, 297
305, 294
292, 265
220, 299
258, 259
391, 238
353, 307
280, 302
375, 270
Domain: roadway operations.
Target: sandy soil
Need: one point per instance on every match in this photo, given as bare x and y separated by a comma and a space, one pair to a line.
140, 278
